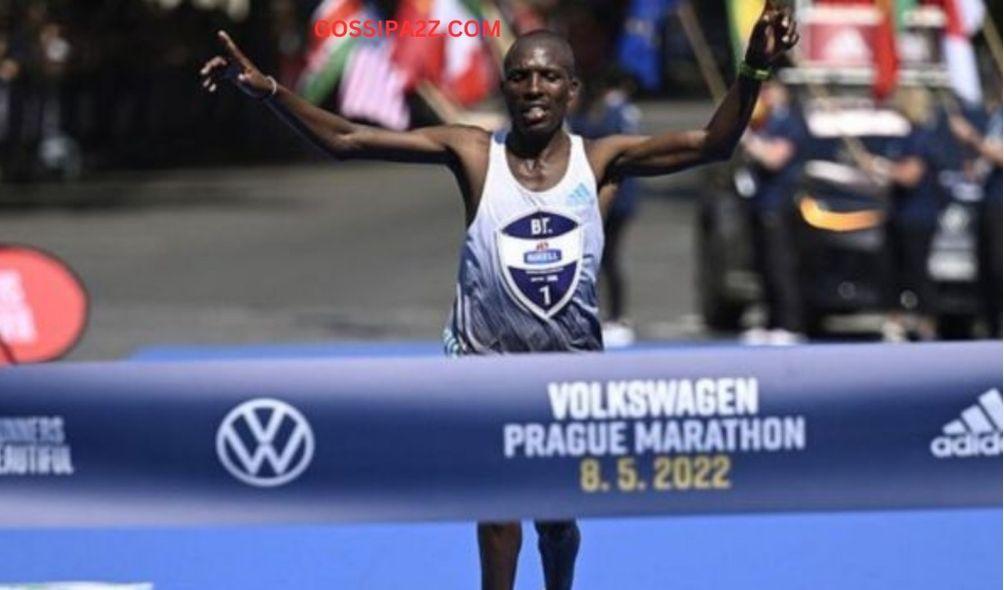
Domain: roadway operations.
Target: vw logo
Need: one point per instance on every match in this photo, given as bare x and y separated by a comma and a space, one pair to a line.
265, 442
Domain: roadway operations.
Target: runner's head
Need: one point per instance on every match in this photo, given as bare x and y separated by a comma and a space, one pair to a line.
539, 82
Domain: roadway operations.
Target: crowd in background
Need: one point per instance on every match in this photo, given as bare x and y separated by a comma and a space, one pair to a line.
947, 150
110, 83
91, 85
98, 84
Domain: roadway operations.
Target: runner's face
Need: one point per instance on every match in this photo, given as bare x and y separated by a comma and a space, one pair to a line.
537, 89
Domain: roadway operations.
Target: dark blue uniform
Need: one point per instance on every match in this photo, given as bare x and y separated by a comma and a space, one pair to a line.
771, 208
913, 216
775, 187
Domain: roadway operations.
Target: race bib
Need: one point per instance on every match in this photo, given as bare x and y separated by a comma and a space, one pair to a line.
541, 255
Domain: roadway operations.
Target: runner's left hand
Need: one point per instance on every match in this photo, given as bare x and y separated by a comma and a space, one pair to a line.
235, 67
775, 33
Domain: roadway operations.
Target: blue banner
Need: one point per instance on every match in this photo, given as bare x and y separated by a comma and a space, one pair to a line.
715, 430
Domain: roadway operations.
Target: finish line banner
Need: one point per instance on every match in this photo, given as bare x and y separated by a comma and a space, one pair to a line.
713, 430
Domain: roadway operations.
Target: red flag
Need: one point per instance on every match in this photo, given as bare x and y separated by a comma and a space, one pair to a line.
419, 58
469, 72
460, 65
886, 55
474, 79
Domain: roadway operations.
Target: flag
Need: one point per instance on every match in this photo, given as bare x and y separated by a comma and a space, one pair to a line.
462, 66
469, 72
373, 88
419, 58
369, 84
885, 51
327, 56
962, 19
742, 16
884, 39
638, 50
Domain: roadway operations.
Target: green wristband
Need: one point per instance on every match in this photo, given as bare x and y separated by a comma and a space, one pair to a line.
759, 74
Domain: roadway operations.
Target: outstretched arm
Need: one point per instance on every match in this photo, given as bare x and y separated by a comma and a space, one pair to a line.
987, 148
335, 135
774, 33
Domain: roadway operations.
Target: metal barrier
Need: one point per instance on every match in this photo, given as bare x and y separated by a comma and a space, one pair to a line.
714, 430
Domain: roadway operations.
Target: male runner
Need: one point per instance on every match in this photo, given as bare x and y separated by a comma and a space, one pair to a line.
534, 197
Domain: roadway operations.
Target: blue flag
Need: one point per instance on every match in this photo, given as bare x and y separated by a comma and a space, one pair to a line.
638, 51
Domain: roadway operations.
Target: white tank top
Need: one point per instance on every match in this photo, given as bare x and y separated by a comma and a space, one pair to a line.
528, 268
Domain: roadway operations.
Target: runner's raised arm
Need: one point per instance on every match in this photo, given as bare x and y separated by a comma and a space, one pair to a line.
335, 135
774, 33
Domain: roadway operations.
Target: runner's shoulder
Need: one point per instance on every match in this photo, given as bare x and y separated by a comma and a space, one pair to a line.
458, 137
474, 139
603, 151
611, 144
469, 143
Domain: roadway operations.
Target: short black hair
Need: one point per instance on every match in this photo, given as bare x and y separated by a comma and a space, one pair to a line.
563, 51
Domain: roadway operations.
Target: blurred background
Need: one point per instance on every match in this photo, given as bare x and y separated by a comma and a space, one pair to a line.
864, 202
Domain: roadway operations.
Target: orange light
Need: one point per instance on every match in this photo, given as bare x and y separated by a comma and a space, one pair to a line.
816, 216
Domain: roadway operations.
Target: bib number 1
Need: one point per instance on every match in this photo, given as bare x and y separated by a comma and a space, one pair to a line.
546, 292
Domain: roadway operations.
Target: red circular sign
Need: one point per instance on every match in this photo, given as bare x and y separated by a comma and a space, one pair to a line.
43, 306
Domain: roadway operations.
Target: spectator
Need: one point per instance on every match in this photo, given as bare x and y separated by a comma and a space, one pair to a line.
10, 67
609, 111
773, 149
987, 146
910, 166
58, 153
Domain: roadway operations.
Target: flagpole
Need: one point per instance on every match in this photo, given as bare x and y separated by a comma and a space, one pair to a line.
993, 40
702, 50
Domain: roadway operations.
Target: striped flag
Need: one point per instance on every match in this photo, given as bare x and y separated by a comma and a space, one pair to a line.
373, 87
369, 85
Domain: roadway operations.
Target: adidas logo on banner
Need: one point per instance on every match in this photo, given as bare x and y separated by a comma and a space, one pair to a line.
976, 433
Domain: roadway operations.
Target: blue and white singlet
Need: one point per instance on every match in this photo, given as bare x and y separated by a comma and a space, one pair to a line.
528, 268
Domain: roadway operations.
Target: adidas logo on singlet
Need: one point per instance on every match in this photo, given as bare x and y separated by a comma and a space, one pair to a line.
579, 197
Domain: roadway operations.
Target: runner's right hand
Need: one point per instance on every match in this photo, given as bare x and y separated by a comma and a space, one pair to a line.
236, 68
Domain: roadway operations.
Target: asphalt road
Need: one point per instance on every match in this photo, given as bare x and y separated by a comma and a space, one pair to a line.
308, 253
